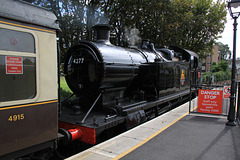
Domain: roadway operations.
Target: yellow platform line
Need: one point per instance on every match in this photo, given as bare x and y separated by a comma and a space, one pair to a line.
149, 138
139, 144
86, 155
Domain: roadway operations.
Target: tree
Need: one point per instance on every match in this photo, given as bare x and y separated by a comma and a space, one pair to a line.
224, 50
190, 24
215, 67
223, 65
199, 22
220, 72
76, 17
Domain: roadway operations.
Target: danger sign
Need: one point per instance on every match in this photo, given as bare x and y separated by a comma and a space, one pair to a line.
210, 101
199, 74
14, 65
226, 91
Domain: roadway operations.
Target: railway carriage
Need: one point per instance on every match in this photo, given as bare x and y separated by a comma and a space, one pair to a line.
28, 82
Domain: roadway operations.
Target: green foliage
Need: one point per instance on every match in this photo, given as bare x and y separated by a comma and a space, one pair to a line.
221, 76
76, 17
215, 67
223, 65
64, 93
206, 77
64, 85
190, 24
224, 50
220, 72
64, 90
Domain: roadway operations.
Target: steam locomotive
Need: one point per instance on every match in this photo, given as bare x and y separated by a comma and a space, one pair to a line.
113, 86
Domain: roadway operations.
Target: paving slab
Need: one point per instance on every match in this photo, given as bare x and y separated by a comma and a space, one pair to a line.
128, 141
173, 135
193, 137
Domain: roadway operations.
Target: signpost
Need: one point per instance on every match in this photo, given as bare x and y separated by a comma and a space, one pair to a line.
210, 101
226, 91
238, 71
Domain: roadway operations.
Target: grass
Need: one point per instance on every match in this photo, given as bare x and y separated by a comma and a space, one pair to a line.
65, 90
64, 85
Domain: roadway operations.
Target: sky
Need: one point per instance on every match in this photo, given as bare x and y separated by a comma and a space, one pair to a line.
227, 35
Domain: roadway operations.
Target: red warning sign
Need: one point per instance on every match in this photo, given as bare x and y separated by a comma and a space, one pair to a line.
226, 91
210, 101
199, 74
14, 65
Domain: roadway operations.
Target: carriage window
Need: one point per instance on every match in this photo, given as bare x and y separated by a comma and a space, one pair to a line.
18, 78
11, 40
17, 66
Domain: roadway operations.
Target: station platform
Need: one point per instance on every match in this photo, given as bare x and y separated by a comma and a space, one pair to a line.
174, 135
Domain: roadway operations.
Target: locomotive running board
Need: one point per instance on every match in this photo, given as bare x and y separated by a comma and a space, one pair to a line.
120, 109
151, 104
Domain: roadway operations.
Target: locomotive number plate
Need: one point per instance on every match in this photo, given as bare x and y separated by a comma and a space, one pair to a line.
78, 60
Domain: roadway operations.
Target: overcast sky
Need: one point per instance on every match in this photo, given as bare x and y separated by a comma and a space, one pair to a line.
227, 35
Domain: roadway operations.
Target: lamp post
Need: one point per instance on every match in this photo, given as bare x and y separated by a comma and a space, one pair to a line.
233, 7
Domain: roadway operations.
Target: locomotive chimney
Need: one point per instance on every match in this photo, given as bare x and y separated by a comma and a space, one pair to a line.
102, 33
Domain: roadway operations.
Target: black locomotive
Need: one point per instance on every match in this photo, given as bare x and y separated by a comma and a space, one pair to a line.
115, 85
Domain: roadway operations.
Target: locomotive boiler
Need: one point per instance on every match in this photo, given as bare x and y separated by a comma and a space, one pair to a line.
115, 85
100, 67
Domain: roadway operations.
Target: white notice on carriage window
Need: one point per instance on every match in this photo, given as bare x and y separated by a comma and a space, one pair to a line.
14, 65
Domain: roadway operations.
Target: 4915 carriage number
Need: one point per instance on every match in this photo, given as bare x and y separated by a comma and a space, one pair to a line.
16, 117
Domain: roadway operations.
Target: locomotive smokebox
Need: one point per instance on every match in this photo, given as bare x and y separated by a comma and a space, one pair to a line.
102, 33
94, 67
